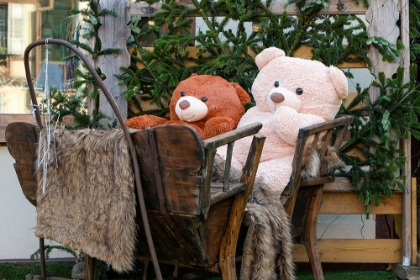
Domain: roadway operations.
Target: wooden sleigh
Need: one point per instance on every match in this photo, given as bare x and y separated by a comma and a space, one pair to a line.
185, 219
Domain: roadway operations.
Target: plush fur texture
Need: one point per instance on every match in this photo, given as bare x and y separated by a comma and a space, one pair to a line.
312, 167
290, 93
268, 245
210, 104
89, 201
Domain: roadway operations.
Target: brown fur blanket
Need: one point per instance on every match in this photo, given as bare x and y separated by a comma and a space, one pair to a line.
89, 200
267, 252
268, 246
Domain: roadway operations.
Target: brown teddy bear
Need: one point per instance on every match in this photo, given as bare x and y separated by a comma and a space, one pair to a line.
210, 104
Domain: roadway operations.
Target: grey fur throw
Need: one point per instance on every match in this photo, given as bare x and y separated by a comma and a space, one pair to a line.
89, 201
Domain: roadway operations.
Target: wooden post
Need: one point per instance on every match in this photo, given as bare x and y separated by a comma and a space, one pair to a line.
114, 34
407, 218
383, 16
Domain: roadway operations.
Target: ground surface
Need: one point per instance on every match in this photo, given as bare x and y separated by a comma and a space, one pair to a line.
19, 272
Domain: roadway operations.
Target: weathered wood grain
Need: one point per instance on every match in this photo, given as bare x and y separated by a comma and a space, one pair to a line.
114, 34
354, 251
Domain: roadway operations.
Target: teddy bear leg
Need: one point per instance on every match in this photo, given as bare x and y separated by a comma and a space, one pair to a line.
275, 174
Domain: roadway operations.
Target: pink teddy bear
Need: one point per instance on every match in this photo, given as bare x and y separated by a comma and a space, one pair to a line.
290, 93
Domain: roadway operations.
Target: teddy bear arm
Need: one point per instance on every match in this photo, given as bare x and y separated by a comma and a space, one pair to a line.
218, 125
145, 121
287, 123
196, 125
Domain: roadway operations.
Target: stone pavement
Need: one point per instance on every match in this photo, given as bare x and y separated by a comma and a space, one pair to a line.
406, 272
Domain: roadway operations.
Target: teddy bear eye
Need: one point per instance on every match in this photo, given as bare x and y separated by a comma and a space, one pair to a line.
204, 99
182, 93
276, 83
299, 91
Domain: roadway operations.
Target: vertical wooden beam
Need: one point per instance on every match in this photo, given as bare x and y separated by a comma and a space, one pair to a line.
382, 17
114, 33
414, 221
407, 237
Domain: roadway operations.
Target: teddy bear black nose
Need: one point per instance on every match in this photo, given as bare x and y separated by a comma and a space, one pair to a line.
277, 97
184, 104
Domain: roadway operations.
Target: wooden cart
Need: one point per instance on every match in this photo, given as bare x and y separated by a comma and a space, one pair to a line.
186, 219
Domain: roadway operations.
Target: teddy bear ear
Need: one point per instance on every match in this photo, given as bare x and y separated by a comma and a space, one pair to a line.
339, 81
242, 94
268, 55
194, 74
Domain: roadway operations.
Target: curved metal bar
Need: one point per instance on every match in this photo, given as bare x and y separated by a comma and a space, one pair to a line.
120, 119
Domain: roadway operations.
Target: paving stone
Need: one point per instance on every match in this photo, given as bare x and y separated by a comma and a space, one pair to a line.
406, 272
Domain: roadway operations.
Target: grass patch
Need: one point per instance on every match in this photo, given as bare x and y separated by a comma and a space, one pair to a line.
358, 275
19, 272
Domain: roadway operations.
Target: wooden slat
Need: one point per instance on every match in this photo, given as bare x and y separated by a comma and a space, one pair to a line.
340, 184
349, 203
302, 52
409, 235
180, 159
277, 7
217, 194
27, 181
354, 251
225, 138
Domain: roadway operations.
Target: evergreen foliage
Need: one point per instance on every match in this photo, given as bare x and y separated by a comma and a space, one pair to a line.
377, 131
230, 53
88, 88
218, 50
334, 39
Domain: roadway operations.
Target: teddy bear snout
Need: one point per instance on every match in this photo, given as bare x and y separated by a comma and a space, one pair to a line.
184, 104
277, 97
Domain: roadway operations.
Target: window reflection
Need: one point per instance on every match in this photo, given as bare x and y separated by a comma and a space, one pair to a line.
22, 23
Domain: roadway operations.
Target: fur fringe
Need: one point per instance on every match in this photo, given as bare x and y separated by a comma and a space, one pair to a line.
268, 245
89, 201
312, 167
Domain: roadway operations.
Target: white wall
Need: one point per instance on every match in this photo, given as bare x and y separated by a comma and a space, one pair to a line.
17, 216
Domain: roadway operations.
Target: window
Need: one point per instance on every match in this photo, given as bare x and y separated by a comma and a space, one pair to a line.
15, 42
3, 29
